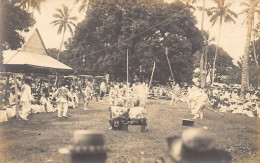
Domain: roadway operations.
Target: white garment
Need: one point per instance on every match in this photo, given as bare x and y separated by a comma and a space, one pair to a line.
10, 112
137, 112
11, 99
3, 116
26, 108
26, 94
64, 106
46, 104
62, 95
103, 87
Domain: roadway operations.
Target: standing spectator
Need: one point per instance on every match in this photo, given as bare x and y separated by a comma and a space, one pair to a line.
102, 90
87, 96
26, 98
62, 96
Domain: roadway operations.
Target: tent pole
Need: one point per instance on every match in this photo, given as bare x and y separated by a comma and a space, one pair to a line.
7, 88
16, 96
49, 85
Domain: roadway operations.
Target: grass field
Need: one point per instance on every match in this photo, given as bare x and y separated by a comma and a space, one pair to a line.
40, 138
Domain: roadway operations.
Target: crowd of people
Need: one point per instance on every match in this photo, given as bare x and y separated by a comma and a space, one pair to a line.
35, 96
220, 97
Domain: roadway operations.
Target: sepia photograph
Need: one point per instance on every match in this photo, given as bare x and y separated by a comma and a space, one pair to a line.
129, 81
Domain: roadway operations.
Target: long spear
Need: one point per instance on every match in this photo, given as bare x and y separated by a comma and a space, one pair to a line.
127, 77
151, 76
166, 53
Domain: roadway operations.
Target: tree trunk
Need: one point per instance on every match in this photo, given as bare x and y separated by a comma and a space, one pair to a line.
216, 53
256, 61
244, 83
202, 75
61, 44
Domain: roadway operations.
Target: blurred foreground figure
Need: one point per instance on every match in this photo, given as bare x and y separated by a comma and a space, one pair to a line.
88, 147
196, 146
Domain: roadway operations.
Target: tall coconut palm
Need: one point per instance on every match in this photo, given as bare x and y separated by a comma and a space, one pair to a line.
34, 4
202, 74
251, 11
85, 4
64, 21
221, 13
189, 3
245, 11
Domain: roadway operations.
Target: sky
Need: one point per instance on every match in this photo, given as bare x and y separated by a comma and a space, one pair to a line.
232, 40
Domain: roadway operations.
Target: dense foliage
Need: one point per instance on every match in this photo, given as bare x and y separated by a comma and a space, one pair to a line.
13, 21
226, 71
100, 42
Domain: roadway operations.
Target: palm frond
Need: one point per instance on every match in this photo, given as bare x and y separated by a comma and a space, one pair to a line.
217, 2
244, 4
208, 12
60, 11
73, 18
214, 18
244, 11
65, 10
57, 16
70, 22
228, 18
70, 29
55, 21
60, 28
232, 13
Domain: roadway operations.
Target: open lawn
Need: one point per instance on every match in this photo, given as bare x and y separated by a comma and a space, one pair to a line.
40, 138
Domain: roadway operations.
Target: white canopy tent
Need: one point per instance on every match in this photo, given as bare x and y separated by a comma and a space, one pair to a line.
33, 54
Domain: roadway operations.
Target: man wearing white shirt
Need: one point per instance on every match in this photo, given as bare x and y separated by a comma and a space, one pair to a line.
26, 98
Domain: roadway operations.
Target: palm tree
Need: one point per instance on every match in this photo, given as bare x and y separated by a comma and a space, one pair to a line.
244, 82
256, 13
64, 21
202, 74
85, 4
221, 13
189, 3
34, 4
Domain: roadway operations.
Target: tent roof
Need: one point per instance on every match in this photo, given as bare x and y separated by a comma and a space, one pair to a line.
37, 60
34, 54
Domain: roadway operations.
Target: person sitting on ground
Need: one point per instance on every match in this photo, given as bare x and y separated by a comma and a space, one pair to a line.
62, 95
12, 98
45, 102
